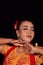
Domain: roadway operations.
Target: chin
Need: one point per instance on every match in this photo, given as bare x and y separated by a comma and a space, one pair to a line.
28, 40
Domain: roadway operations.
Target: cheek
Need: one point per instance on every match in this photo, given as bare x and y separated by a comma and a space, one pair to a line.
22, 34
33, 34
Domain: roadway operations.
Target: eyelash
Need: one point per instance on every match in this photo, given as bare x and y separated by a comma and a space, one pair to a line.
32, 30
27, 29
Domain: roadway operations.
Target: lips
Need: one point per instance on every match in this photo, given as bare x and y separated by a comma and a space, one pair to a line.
28, 36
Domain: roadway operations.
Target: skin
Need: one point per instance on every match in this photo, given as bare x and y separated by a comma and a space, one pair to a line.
25, 36
26, 31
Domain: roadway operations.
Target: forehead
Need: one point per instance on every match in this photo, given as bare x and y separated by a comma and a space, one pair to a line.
26, 23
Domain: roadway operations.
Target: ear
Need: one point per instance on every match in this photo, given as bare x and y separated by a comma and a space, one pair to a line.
17, 32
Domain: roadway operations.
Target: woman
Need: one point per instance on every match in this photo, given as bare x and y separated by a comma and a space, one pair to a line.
23, 52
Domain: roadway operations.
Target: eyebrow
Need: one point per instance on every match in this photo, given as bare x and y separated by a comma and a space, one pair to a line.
27, 26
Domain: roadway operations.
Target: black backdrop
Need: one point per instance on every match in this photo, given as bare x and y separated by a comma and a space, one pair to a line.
7, 31
19, 8
6, 27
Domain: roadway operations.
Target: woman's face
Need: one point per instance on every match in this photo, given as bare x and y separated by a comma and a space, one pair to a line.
26, 31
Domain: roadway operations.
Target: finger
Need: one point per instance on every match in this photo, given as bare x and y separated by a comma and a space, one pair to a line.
29, 52
30, 45
21, 42
18, 41
16, 44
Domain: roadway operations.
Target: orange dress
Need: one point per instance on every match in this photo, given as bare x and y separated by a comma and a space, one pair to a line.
12, 58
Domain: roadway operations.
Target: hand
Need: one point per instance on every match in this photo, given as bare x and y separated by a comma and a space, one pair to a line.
18, 43
29, 48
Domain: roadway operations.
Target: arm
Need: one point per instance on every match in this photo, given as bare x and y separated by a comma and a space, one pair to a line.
33, 50
5, 40
38, 50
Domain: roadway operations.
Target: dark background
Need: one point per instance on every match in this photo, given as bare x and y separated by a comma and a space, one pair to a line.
7, 30
11, 11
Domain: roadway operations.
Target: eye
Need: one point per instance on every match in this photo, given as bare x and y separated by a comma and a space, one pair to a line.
25, 28
32, 29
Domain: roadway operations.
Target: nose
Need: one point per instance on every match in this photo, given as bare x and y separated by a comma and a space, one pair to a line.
29, 31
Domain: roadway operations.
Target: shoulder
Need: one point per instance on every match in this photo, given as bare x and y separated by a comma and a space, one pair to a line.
5, 48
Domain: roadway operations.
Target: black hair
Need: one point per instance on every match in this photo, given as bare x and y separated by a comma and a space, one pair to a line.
23, 20
33, 21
